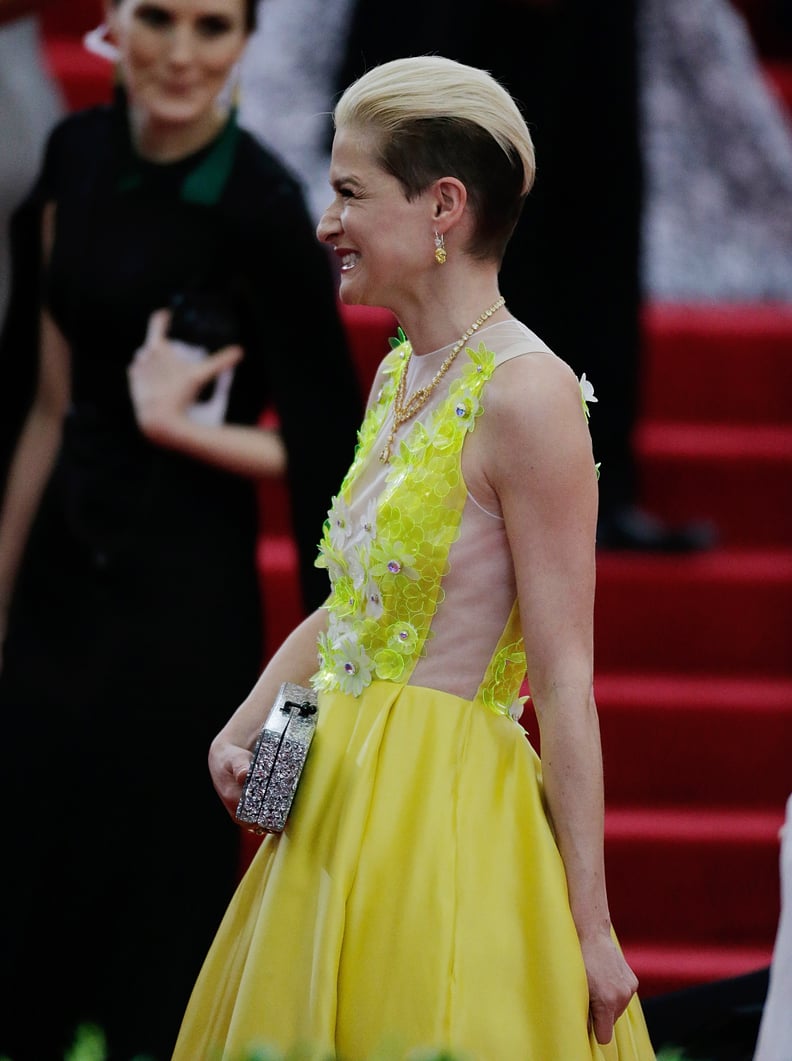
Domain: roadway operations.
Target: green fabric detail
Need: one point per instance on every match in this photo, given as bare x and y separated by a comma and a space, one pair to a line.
205, 183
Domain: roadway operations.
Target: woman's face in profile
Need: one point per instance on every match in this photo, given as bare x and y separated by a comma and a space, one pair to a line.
383, 241
176, 55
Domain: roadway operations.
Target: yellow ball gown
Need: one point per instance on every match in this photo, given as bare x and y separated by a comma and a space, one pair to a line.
416, 898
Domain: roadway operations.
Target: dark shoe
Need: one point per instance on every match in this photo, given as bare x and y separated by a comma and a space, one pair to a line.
631, 528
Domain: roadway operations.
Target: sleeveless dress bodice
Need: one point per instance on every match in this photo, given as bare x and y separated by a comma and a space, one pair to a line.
406, 544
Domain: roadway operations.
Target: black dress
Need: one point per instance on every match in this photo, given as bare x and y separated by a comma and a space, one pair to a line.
136, 625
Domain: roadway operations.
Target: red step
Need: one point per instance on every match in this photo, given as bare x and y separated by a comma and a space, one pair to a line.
738, 477
721, 363
677, 739
706, 876
664, 967
727, 612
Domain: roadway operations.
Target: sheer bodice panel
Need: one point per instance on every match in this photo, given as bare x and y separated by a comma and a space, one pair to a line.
478, 594
477, 588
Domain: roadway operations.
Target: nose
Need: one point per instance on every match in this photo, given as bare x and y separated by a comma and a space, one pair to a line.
329, 226
181, 45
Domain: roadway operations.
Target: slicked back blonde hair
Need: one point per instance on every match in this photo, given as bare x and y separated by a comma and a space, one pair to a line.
433, 117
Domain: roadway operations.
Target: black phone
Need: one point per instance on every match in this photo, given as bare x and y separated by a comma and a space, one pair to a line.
206, 319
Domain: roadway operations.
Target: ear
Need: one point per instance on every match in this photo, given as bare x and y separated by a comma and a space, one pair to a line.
449, 199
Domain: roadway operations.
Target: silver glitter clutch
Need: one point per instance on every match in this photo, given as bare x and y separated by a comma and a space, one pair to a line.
278, 760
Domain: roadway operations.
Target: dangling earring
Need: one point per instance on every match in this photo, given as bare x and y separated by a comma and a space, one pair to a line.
96, 41
440, 251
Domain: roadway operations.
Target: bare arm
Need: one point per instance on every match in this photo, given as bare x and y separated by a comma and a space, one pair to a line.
163, 386
230, 753
541, 467
34, 456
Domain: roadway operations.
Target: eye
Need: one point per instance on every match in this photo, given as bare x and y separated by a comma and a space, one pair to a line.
211, 26
153, 16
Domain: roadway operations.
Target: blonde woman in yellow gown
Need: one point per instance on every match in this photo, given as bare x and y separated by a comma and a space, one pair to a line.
438, 885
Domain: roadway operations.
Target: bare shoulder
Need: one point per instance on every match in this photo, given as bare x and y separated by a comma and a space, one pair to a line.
534, 392
533, 432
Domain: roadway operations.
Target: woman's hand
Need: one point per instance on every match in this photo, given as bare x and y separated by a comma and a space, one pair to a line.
228, 766
611, 984
230, 753
165, 381
164, 384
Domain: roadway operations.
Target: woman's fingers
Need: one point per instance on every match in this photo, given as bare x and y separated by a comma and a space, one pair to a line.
215, 364
158, 324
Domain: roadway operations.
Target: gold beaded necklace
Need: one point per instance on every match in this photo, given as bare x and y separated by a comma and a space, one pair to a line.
404, 409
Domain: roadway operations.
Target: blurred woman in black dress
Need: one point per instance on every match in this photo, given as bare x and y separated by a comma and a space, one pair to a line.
161, 246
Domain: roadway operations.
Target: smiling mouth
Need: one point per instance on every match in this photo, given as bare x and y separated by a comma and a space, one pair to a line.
178, 90
349, 260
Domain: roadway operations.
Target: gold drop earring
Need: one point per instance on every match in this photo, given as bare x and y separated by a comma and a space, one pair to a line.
441, 255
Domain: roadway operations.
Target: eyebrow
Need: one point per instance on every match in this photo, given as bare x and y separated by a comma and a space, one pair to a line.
336, 182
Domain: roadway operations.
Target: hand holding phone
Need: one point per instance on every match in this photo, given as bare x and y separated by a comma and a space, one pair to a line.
168, 378
202, 323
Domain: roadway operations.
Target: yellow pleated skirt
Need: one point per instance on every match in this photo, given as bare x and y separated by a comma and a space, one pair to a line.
415, 900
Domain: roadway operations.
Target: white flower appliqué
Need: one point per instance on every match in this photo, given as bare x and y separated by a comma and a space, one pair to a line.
586, 394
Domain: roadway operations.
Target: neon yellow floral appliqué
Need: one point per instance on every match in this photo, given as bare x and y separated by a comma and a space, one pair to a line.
385, 591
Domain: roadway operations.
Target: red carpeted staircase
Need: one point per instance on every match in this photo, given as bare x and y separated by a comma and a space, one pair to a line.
694, 654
